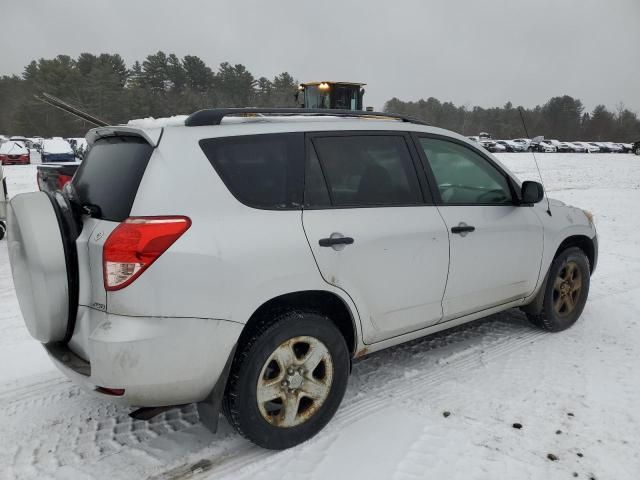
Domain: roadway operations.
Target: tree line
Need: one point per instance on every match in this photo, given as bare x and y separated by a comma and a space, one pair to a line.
563, 118
164, 85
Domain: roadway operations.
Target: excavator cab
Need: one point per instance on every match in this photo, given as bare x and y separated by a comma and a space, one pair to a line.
334, 95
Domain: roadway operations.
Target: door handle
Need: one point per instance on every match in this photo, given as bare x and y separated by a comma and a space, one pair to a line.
462, 229
337, 241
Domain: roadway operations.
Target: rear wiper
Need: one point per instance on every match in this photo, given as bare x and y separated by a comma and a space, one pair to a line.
91, 209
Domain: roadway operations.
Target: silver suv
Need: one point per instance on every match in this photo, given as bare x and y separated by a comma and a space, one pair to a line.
243, 259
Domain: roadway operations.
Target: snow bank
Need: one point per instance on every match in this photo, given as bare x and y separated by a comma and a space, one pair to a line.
150, 122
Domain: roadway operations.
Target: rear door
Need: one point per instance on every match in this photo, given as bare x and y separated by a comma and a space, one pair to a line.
374, 230
106, 184
496, 245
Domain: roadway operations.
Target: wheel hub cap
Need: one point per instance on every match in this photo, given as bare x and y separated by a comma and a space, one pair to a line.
294, 381
567, 289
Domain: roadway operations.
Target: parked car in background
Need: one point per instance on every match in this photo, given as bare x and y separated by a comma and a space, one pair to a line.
79, 146
160, 294
36, 143
636, 147
526, 142
626, 147
55, 177
614, 147
561, 147
602, 146
545, 147
21, 140
14, 153
588, 148
512, 146
57, 150
575, 147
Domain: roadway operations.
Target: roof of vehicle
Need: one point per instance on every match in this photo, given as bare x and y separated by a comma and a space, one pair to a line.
13, 148
56, 145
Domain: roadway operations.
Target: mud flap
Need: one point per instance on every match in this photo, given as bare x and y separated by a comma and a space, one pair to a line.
209, 408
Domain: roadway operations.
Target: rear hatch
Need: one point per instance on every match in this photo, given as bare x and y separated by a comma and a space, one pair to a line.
106, 185
99, 198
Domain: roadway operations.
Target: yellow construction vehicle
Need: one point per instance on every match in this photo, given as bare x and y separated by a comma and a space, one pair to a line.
331, 95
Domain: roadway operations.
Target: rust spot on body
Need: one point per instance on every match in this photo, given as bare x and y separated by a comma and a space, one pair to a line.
361, 353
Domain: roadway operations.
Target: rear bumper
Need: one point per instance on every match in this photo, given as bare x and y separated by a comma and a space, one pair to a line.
158, 361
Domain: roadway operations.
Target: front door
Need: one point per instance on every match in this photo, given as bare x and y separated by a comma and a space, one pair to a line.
373, 232
496, 245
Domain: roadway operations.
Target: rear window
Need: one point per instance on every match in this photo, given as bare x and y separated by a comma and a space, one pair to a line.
110, 175
261, 171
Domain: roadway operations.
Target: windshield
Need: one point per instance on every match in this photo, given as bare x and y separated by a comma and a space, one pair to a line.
316, 98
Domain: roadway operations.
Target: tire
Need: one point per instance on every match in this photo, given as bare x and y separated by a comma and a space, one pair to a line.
637, 150
266, 359
563, 303
3, 230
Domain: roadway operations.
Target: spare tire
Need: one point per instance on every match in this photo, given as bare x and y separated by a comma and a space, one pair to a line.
42, 230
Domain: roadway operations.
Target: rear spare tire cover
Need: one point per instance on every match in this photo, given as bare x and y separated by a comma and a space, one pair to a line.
38, 253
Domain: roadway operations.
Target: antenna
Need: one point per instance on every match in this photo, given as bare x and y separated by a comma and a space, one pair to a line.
533, 152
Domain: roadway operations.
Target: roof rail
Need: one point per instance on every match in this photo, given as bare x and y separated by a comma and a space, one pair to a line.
214, 116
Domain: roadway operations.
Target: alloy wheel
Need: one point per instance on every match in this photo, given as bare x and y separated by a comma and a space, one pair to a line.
294, 381
566, 289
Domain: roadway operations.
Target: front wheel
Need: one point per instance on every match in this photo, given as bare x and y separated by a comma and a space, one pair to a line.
566, 291
287, 380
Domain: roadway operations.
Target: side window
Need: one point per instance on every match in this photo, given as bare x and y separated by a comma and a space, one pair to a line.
368, 170
262, 171
464, 176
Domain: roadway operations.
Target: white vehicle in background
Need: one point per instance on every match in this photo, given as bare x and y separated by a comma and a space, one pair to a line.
575, 147
286, 248
546, 147
523, 141
588, 147
614, 147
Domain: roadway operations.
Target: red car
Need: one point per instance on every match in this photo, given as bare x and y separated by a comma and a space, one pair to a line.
14, 153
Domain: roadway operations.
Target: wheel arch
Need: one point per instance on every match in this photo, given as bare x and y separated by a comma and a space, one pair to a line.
582, 242
323, 301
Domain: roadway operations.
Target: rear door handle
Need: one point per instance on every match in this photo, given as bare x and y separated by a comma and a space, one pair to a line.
337, 241
462, 229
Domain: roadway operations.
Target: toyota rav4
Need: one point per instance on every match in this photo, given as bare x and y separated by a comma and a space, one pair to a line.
243, 259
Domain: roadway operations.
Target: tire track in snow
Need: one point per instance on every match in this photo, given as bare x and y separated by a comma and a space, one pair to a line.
379, 397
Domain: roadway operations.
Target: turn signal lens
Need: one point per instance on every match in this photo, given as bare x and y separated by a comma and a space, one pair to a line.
135, 244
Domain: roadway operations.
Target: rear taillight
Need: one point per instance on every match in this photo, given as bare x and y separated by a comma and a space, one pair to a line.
63, 180
135, 244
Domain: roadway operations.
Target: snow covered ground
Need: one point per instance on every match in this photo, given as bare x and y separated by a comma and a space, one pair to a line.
442, 407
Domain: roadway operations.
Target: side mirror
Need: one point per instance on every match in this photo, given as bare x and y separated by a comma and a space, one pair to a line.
531, 192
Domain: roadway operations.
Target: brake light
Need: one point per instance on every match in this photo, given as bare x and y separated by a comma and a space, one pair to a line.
63, 180
135, 244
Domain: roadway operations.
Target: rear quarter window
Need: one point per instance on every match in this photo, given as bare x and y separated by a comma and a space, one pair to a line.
110, 175
261, 171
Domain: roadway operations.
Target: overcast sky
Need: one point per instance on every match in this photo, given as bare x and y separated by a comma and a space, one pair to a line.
468, 51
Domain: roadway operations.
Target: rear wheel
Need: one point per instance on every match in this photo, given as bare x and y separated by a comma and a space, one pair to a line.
566, 291
638, 150
3, 230
287, 380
